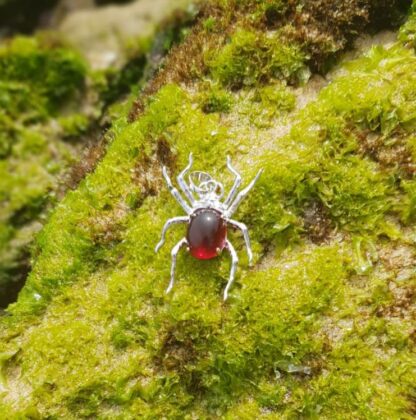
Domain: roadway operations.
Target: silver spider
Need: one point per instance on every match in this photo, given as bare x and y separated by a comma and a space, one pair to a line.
207, 217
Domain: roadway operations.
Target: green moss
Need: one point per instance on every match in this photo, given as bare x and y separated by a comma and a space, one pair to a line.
384, 107
265, 105
210, 24
216, 100
275, 96
50, 105
409, 202
27, 177
75, 125
53, 74
316, 329
254, 57
171, 120
352, 188
407, 33
36, 79
355, 193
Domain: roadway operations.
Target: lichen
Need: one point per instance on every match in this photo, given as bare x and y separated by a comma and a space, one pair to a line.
321, 327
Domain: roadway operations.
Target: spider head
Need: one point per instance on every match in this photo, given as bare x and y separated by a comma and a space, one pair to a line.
205, 186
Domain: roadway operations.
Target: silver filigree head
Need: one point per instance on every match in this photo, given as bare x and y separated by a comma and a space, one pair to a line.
205, 186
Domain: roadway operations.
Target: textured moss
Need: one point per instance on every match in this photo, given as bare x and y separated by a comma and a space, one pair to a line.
37, 78
52, 73
408, 31
52, 106
321, 327
252, 57
216, 100
263, 103
251, 42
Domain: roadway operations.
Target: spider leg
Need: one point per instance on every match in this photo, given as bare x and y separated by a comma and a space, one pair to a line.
175, 192
174, 253
234, 262
237, 182
244, 229
183, 184
168, 224
242, 194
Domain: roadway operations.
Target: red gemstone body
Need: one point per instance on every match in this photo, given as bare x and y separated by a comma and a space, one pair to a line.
207, 233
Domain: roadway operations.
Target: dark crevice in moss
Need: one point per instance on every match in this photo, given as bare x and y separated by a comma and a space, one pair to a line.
142, 66
120, 81
186, 60
13, 278
90, 157
388, 14
28, 212
392, 153
26, 16
327, 29
316, 221
171, 32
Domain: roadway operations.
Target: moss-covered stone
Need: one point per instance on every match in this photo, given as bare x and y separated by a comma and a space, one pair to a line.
321, 327
53, 110
250, 41
37, 78
53, 73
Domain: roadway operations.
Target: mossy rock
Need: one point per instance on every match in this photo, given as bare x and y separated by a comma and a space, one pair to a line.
322, 326
38, 78
53, 109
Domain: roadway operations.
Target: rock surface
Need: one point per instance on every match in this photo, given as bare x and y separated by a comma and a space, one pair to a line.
104, 35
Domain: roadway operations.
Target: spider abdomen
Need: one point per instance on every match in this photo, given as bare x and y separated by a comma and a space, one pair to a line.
207, 234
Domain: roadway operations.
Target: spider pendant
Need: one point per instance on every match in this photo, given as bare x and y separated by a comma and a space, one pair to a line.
207, 217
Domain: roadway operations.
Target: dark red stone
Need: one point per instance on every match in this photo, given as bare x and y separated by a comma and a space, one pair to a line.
207, 233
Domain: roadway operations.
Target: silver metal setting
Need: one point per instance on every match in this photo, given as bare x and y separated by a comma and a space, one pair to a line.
204, 192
